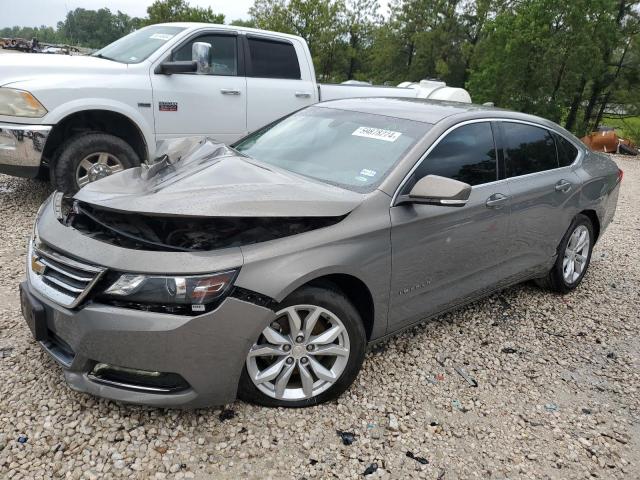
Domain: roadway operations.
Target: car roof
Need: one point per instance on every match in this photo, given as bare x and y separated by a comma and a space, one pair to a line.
416, 109
429, 111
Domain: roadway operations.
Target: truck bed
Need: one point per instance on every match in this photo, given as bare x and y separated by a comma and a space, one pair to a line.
335, 91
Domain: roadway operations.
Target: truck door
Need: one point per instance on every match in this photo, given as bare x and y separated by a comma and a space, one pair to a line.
212, 103
276, 83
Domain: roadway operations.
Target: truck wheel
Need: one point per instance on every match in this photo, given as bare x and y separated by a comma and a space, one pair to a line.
89, 157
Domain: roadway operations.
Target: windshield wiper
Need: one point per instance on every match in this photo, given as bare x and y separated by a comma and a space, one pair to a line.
99, 55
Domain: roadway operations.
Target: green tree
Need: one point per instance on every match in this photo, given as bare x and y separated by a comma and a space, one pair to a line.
162, 11
362, 18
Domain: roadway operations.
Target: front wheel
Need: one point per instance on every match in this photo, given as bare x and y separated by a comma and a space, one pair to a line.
90, 157
309, 354
574, 256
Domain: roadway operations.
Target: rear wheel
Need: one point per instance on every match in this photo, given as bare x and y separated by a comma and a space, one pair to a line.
574, 256
309, 354
90, 157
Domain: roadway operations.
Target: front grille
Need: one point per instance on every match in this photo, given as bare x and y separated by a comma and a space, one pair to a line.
64, 280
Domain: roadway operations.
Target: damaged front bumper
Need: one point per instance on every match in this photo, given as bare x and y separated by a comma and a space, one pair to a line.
130, 355
123, 354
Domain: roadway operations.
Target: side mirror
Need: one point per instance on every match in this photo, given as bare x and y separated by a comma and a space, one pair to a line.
169, 68
436, 190
201, 55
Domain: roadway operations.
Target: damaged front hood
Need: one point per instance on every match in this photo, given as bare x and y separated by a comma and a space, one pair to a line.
214, 181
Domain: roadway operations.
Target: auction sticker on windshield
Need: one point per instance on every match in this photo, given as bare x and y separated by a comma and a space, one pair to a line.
377, 133
161, 36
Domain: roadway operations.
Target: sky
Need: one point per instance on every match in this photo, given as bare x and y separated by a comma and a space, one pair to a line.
32, 13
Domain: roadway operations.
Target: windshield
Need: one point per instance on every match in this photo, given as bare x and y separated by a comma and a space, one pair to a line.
349, 149
137, 46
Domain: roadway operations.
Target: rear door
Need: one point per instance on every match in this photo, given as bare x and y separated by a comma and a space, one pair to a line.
212, 104
542, 194
276, 83
442, 255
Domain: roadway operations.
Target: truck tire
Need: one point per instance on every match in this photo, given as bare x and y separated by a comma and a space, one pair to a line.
90, 156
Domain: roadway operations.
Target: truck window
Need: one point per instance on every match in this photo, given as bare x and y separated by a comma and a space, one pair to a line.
224, 53
273, 59
137, 46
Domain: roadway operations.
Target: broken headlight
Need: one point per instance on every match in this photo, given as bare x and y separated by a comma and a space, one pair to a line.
196, 291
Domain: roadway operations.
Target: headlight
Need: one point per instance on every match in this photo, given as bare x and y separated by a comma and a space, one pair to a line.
196, 291
18, 103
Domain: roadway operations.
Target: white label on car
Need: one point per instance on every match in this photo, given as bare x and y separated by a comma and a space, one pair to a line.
377, 133
362, 179
161, 36
368, 173
197, 308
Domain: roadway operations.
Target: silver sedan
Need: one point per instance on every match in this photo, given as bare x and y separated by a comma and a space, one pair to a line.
263, 270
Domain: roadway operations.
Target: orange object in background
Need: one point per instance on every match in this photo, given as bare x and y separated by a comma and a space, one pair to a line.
608, 141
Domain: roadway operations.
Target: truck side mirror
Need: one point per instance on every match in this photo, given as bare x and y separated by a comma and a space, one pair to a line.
437, 190
169, 68
201, 54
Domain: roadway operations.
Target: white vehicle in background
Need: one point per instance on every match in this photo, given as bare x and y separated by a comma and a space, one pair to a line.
83, 118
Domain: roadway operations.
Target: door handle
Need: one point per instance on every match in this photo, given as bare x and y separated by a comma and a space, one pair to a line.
497, 200
303, 94
229, 91
563, 186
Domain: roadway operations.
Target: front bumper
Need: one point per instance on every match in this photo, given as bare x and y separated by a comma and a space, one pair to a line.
207, 351
21, 148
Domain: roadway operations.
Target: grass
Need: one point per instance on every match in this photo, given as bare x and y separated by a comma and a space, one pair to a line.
627, 128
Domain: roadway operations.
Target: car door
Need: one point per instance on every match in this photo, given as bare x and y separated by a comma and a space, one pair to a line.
542, 192
212, 103
277, 85
442, 255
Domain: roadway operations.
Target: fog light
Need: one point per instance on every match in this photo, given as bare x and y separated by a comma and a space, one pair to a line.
100, 367
135, 379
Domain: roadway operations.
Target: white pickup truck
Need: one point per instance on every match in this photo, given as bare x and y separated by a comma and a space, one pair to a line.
82, 118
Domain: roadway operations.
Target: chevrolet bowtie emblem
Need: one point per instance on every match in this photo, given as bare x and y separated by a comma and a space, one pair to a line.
36, 265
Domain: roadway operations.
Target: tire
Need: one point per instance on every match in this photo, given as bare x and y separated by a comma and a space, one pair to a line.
329, 301
556, 280
90, 146
627, 150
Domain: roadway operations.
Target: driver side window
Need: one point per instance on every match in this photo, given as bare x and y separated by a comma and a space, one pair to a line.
224, 53
467, 154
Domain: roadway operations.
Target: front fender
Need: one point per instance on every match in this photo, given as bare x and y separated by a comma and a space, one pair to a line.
85, 104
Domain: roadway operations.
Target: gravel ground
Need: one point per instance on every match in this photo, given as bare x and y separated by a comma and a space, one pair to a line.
556, 396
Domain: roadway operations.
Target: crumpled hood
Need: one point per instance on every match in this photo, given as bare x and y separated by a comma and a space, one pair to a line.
19, 67
214, 181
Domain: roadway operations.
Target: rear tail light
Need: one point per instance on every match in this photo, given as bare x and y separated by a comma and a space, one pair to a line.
620, 175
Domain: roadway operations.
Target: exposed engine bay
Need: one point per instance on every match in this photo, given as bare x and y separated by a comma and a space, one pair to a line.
183, 234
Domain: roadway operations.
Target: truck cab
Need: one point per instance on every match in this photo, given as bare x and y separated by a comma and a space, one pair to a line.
80, 118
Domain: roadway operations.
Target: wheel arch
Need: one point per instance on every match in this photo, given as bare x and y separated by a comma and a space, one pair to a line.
595, 221
95, 120
356, 291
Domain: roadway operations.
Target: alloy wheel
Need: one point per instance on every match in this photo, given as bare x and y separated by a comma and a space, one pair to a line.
96, 166
576, 254
301, 354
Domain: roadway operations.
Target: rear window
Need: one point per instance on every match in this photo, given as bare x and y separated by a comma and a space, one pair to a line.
567, 152
528, 149
271, 59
